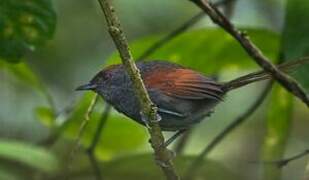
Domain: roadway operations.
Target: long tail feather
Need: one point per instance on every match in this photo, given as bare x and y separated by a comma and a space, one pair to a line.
262, 75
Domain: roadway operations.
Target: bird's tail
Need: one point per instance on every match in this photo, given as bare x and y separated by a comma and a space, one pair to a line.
262, 75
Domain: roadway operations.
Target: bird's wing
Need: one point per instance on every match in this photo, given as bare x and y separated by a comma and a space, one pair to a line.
183, 83
171, 112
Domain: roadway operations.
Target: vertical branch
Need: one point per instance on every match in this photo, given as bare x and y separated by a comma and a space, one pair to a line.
286, 81
148, 109
98, 132
91, 149
237, 122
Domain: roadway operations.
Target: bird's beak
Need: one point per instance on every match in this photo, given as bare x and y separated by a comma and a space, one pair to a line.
88, 86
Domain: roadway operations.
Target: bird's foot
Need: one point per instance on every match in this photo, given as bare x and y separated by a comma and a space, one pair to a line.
159, 118
145, 120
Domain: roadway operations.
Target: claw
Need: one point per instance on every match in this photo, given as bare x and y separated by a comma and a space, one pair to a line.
159, 118
144, 119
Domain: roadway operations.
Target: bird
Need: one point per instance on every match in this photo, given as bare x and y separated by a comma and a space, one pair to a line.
183, 96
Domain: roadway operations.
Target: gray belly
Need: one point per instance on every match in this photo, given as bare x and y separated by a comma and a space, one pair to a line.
192, 111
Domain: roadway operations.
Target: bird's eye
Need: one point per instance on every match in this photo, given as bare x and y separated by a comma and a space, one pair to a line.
106, 76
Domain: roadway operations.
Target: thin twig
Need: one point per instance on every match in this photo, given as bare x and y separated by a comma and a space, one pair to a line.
98, 132
283, 162
286, 81
86, 119
95, 166
56, 132
81, 131
148, 109
173, 34
237, 122
91, 149
180, 146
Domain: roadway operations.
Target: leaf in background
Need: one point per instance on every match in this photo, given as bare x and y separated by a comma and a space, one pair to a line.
8, 174
45, 115
279, 117
144, 167
23, 73
24, 25
296, 37
120, 134
33, 156
207, 50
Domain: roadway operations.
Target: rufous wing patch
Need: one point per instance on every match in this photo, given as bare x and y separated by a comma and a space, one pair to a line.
183, 83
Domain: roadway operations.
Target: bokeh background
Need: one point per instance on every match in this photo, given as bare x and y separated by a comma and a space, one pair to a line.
40, 113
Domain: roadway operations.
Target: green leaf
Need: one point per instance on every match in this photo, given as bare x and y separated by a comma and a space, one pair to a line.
24, 73
24, 25
120, 134
296, 37
30, 155
279, 117
8, 174
45, 115
207, 50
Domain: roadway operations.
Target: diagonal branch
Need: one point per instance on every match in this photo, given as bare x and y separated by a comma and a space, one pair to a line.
286, 81
148, 109
238, 121
80, 134
182, 28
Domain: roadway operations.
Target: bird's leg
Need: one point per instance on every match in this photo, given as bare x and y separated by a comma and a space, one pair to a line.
174, 137
168, 142
171, 139
145, 120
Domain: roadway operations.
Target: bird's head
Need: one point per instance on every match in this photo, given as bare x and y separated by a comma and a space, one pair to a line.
102, 80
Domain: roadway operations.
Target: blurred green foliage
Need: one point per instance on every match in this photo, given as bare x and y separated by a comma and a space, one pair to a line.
206, 50
125, 168
295, 36
29, 24
24, 25
119, 135
24, 74
278, 130
295, 45
35, 157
